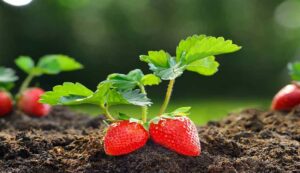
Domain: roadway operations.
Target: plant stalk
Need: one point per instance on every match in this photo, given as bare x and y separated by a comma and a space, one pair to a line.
26, 83
167, 97
144, 108
107, 113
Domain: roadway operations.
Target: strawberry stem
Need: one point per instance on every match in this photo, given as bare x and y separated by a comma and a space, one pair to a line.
107, 113
25, 83
144, 108
167, 97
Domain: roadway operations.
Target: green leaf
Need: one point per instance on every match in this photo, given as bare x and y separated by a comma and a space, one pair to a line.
107, 94
150, 79
126, 81
173, 70
7, 75
157, 58
185, 45
133, 79
102, 93
25, 63
200, 46
47, 66
67, 93
136, 98
7, 86
123, 116
114, 97
294, 70
54, 64
75, 93
205, 66
135, 75
195, 53
7, 78
66, 63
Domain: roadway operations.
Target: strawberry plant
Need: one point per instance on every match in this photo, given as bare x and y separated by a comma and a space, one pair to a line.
173, 130
289, 96
7, 79
28, 98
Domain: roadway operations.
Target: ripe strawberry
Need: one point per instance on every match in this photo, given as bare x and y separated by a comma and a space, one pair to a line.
124, 137
29, 103
6, 103
287, 98
178, 134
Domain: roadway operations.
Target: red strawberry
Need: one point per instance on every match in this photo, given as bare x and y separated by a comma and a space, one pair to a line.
124, 137
6, 103
178, 134
287, 98
29, 103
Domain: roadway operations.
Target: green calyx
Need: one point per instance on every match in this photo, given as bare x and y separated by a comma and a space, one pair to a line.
182, 111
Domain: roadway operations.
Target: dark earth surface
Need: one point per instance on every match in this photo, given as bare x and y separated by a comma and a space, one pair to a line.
66, 141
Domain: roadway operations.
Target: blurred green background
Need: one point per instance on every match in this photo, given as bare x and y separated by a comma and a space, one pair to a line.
109, 35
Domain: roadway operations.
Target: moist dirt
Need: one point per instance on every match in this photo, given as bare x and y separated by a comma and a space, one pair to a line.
67, 141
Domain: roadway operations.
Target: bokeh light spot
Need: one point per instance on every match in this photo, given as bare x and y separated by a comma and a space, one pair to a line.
287, 14
18, 2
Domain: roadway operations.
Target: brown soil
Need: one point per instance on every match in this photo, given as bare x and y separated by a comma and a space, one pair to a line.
250, 141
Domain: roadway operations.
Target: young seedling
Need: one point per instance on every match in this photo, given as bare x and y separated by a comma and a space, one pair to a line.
289, 96
7, 79
27, 98
172, 130
195, 54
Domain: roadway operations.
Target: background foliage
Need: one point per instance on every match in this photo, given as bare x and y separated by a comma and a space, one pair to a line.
108, 36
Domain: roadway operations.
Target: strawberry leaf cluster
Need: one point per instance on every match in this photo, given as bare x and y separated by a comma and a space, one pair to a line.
196, 54
49, 64
117, 89
27, 99
7, 78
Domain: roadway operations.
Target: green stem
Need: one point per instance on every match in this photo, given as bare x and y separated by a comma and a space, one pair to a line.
107, 113
167, 97
144, 108
26, 83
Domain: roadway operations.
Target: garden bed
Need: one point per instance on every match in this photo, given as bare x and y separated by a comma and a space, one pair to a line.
66, 141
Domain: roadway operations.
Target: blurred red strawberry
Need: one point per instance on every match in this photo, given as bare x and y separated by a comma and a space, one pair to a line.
6, 103
29, 103
287, 98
